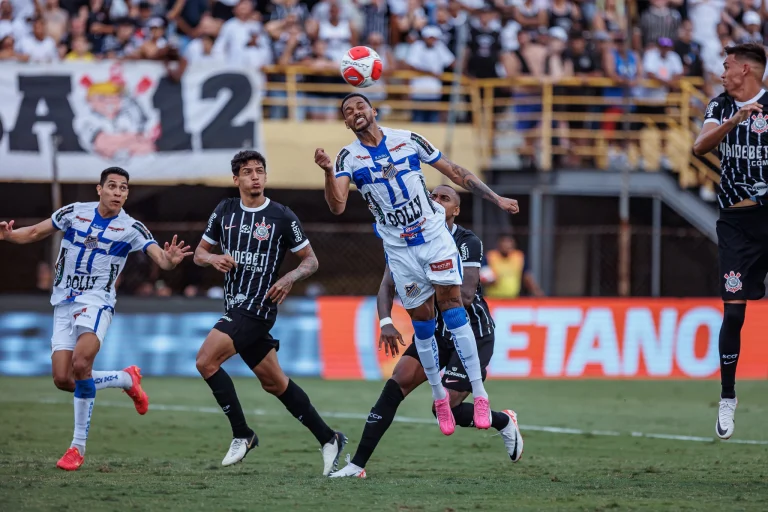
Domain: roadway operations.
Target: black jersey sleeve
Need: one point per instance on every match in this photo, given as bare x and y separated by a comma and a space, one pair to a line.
471, 251
212, 233
294, 234
714, 113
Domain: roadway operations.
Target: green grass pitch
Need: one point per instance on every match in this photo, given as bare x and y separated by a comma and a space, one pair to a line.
170, 458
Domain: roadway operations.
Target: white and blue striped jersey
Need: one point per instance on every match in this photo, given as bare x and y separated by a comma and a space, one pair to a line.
93, 253
390, 178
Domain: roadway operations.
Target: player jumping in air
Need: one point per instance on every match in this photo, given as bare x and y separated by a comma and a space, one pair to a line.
98, 237
736, 123
409, 374
255, 234
385, 165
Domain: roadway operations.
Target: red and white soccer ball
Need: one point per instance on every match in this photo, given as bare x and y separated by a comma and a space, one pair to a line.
361, 67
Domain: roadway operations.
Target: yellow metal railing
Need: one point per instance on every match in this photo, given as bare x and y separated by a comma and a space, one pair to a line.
574, 119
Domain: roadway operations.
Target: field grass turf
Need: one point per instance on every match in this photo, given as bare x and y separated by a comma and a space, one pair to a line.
170, 459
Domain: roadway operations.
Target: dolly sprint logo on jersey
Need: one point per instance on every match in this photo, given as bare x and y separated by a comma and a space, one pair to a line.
759, 123
732, 282
261, 231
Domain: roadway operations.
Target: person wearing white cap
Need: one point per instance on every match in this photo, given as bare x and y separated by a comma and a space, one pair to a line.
431, 57
752, 26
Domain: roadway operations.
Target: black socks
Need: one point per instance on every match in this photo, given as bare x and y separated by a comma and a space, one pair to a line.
730, 345
224, 391
297, 402
379, 420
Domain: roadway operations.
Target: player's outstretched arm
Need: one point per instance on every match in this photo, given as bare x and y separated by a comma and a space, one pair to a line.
713, 134
389, 336
336, 188
467, 180
204, 257
306, 268
28, 234
170, 255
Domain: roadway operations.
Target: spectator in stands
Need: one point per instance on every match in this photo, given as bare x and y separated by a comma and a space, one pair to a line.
609, 20
733, 13
155, 46
98, 24
376, 15
283, 8
143, 17
290, 43
200, 50
77, 27
507, 272
509, 36
484, 47
191, 291
39, 47
412, 20
338, 33
689, 50
751, 32
236, 32
81, 50
322, 10
665, 66
224, 9
705, 15
713, 57
56, 20
585, 64
24, 9
529, 14
323, 104
659, 21
7, 48
431, 57
191, 18
15, 26
377, 92
123, 43
258, 51
563, 14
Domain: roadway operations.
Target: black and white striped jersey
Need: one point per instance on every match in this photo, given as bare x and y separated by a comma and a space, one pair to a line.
743, 152
471, 253
257, 239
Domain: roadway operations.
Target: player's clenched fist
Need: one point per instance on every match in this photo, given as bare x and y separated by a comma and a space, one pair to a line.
222, 262
323, 160
508, 205
6, 228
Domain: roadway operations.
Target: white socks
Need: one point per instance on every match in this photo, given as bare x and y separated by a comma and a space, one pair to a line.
112, 379
430, 360
85, 395
466, 348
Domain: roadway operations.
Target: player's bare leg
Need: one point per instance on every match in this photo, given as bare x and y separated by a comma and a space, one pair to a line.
407, 376
275, 382
217, 348
729, 348
423, 319
87, 347
455, 317
61, 370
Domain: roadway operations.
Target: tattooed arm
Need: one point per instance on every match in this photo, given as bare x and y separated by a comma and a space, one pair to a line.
306, 268
465, 179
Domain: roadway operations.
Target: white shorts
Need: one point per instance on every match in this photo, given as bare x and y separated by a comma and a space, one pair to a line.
415, 269
72, 319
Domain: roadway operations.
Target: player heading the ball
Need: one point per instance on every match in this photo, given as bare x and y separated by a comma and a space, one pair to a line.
385, 165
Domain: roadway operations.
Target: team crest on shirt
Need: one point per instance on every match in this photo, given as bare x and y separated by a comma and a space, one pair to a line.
759, 123
411, 290
389, 171
261, 231
732, 282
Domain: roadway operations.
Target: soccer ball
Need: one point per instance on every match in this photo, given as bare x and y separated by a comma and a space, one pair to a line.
361, 67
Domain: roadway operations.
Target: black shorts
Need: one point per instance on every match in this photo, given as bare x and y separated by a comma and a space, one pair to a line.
249, 333
742, 243
455, 376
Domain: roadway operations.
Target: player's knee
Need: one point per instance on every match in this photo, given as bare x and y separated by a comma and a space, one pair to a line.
404, 381
274, 386
733, 315
205, 366
81, 367
64, 382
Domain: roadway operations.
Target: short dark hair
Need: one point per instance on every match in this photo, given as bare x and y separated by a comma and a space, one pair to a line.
354, 95
243, 157
751, 51
453, 193
113, 170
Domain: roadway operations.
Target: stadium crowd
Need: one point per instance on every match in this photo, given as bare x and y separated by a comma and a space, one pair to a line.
666, 39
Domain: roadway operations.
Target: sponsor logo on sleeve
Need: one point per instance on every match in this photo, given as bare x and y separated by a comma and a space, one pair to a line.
440, 266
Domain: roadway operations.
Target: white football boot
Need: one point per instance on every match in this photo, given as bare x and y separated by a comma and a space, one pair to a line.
512, 437
350, 470
332, 451
725, 421
238, 449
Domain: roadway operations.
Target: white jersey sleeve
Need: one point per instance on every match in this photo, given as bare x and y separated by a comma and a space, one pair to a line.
142, 238
426, 151
62, 218
344, 165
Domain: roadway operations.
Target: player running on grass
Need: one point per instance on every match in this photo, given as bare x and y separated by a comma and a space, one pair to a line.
409, 374
255, 234
98, 237
385, 165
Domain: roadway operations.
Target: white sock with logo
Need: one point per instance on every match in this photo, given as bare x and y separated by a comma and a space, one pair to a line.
112, 379
466, 348
430, 360
85, 395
